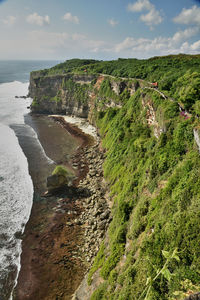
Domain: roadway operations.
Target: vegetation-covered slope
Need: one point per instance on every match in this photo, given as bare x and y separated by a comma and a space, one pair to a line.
152, 166
166, 70
153, 241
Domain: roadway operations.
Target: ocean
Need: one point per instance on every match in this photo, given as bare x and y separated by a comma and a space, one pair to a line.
16, 185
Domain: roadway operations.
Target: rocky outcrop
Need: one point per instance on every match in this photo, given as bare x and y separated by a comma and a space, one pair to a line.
60, 94
73, 94
196, 137
151, 118
195, 296
56, 182
61, 177
96, 215
95, 218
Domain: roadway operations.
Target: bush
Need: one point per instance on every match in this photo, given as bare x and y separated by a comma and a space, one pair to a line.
62, 171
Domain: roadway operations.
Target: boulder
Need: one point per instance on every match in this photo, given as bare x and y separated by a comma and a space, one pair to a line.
56, 181
60, 177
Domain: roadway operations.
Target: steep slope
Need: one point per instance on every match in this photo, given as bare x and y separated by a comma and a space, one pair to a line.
60, 93
152, 167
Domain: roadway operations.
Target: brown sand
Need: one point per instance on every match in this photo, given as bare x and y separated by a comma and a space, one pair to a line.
51, 267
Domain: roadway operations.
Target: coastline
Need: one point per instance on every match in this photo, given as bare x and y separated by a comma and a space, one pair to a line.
54, 257
82, 124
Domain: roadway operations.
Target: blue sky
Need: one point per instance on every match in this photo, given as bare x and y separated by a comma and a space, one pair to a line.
106, 29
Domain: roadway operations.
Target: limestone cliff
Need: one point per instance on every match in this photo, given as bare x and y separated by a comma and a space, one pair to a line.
73, 94
63, 94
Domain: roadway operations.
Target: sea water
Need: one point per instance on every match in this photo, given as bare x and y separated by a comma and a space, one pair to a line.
16, 187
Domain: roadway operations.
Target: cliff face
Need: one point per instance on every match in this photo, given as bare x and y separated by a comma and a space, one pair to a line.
153, 169
75, 94
60, 94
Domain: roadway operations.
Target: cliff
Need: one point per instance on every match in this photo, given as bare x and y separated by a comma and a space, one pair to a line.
60, 94
152, 168
72, 94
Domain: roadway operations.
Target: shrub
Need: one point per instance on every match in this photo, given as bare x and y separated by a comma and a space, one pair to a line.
62, 171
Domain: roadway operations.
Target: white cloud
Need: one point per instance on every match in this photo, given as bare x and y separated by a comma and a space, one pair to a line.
9, 20
196, 46
189, 16
78, 37
45, 44
152, 17
37, 19
160, 45
191, 48
140, 5
129, 43
68, 17
185, 34
63, 41
50, 40
112, 22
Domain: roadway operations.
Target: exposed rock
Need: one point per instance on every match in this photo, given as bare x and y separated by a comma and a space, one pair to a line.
196, 137
96, 214
102, 224
105, 215
52, 97
55, 182
195, 296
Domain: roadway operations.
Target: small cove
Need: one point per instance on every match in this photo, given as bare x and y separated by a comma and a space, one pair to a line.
45, 236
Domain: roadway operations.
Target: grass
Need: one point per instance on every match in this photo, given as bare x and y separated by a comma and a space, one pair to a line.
153, 216
154, 180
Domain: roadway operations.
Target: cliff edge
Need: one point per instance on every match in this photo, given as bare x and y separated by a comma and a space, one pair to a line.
151, 167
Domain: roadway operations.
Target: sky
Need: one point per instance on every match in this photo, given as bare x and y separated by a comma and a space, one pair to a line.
99, 29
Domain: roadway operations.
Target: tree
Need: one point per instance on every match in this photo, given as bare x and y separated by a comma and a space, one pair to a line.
188, 89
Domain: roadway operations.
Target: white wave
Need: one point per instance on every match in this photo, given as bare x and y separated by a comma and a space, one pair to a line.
12, 110
28, 131
16, 195
16, 187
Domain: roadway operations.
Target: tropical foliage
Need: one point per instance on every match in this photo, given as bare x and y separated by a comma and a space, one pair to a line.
152, 167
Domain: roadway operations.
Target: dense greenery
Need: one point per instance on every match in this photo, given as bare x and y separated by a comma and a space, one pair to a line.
69, 66
187, 88
78, 91
165, 70
153, 250
177, 75
152, 167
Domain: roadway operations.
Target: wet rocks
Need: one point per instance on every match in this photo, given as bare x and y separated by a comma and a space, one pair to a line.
95, 216
55, 182
60, 178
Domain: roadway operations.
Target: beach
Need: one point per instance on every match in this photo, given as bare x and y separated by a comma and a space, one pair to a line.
51, 265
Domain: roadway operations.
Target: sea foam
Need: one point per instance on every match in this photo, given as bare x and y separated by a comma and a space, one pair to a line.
16, 188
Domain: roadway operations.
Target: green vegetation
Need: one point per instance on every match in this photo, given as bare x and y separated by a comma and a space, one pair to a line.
62, 171
79, 92
99, 259
187, 89
165, 70
56, 98
152, 167
70, 66
154, 183
35, 102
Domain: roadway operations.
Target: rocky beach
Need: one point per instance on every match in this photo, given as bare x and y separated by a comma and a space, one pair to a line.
65, 229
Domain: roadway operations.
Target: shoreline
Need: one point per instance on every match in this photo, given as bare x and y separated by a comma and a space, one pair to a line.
52, 221
81, 124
